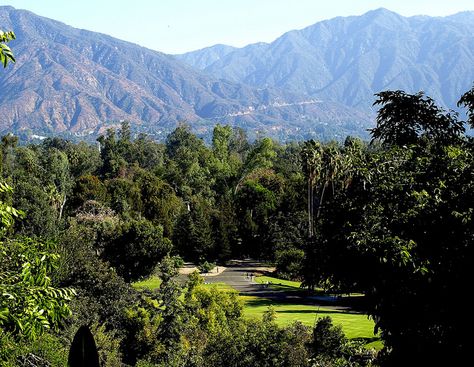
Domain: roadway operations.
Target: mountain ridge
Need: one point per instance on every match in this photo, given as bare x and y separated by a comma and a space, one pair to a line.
71, 80
317, 82
349, 59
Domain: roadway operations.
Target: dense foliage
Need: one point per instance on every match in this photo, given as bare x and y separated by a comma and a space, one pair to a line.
391, 219
401, 231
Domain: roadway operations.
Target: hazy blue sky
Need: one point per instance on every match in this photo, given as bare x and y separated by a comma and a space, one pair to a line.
175, 26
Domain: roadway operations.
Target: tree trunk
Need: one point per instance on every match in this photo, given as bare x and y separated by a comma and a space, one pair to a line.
61, 208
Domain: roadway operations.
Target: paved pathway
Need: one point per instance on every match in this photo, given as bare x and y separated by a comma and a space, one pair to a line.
237, 276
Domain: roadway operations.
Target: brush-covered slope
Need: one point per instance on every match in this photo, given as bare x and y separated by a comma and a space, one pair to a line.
348, 59
72, 80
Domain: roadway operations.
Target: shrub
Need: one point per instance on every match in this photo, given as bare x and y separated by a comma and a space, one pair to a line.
206, 267
289, 263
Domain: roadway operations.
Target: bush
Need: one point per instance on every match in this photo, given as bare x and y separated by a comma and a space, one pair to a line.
331, 348
47, 350
289, 263
206, 267
327, 338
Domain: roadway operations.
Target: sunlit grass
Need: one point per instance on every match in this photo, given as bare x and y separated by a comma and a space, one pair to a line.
355, 325
281, 284
151, 283
219, 286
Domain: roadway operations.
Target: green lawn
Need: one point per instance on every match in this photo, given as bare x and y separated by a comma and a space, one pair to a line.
220, 286
151, 283
281, 284
355, 325
154, 282
290, 285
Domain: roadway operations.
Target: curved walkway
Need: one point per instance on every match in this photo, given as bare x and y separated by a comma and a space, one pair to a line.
238, 275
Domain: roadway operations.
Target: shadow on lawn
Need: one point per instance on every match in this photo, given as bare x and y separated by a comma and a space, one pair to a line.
367, 340
287, 288
316, 311
266, 302
354, 305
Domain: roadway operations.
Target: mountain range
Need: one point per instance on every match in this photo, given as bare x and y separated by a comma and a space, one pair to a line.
316, 82
348, 59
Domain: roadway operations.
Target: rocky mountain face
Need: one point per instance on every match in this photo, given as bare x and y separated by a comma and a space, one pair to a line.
348, 59
316, 82
203, 58
72, 80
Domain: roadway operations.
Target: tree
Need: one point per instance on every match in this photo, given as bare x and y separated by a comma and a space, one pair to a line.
327, 169
135, 248
42, 186
415, 236
57, 178
225, 163
262, 155
311, 156
467, 100
193, 234
404, 119
209, 309
188, 163
87, 187
29, 302
124, 196
220, 142
172, 325
83, 158
112, 162
102, 295
328, 339
257, 200
6, 55
159, 201
401, 231
9, 143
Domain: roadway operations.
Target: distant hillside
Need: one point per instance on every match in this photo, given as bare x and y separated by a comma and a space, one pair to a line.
71, 80
347, 60
206, 56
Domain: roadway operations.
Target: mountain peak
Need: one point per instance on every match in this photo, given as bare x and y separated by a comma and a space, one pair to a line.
382, 15
466, 17
381, 11
322, 78
81, 82
350, 58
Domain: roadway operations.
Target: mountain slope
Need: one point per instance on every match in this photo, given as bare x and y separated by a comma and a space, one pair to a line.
349, 59
66, 79
206, 56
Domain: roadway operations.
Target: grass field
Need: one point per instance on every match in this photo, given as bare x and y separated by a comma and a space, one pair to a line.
275, 283
151, 283
355, 325
220, 286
